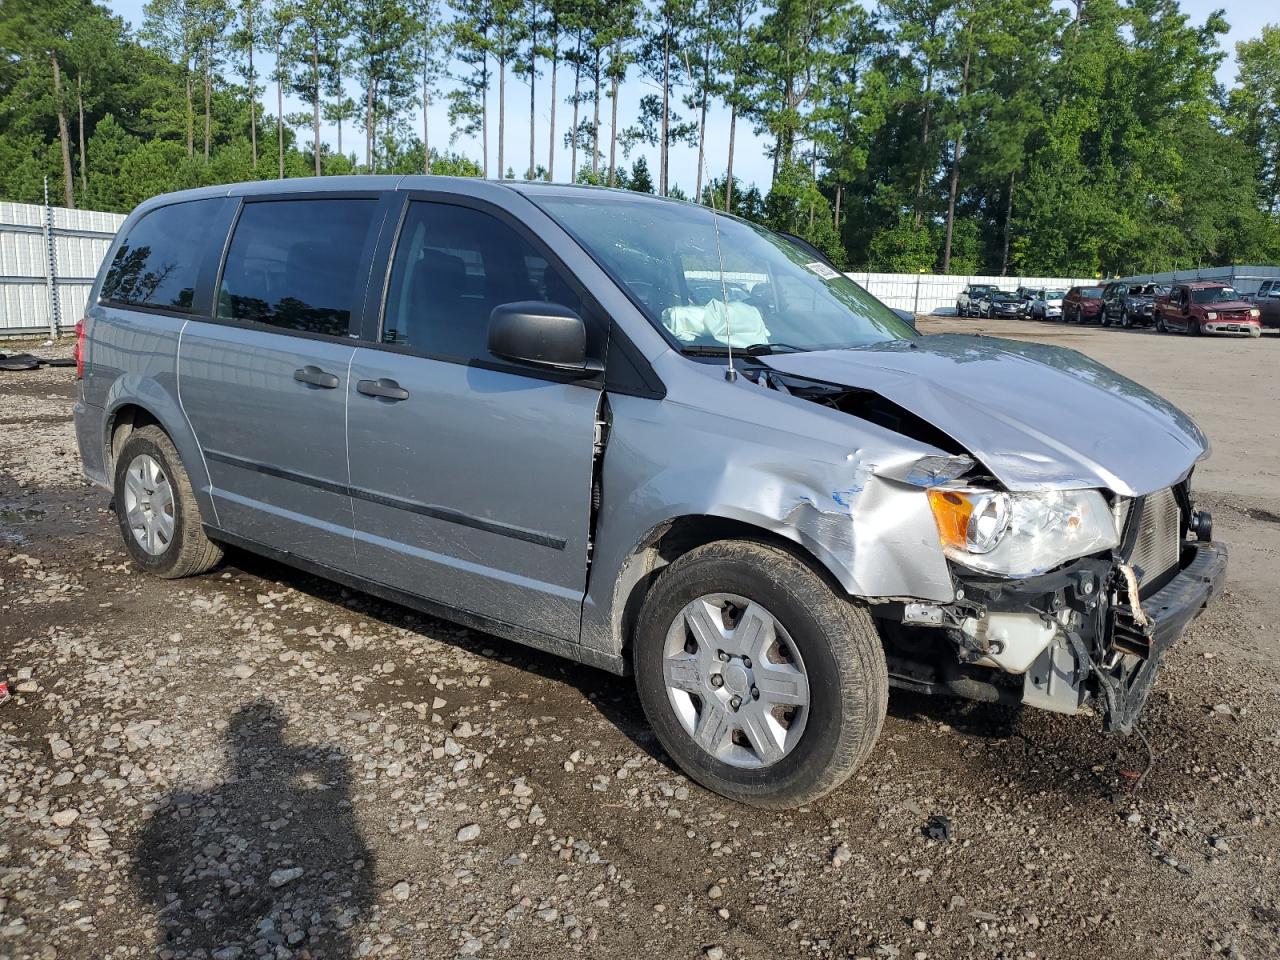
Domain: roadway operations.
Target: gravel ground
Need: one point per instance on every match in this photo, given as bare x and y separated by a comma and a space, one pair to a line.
255, 763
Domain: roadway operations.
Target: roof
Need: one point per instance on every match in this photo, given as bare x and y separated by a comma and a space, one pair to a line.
467, 186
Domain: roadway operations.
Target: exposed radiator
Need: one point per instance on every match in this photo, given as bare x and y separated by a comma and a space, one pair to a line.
1159, 541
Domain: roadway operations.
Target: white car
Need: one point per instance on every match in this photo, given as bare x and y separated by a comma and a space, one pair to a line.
1046, 304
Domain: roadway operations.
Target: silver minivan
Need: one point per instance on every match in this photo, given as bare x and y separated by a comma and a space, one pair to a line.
653, 439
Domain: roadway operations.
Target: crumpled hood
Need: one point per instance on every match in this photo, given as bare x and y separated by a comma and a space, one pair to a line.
1038, 417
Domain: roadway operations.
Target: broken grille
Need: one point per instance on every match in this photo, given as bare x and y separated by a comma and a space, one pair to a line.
1159, 537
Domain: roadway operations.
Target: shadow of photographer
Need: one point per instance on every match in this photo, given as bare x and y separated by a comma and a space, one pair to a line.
269, 863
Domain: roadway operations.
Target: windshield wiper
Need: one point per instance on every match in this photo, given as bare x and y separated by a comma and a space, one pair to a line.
764, 349
753, 350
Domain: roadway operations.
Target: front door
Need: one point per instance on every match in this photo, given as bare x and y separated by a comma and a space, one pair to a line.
265, 383
470, 476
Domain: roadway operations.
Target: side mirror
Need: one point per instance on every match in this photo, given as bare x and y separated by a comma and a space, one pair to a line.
541, 334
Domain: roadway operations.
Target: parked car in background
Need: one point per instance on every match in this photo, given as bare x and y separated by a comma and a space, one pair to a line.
1000, 303
1207, 306
1025, 296
1082, 305
1130, 304
967, 304
498, 403
1046, 304
1267, 300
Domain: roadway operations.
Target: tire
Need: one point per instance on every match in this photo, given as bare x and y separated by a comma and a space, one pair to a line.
1160, 327
150, 486
1126, 322
1104, 318
835, 647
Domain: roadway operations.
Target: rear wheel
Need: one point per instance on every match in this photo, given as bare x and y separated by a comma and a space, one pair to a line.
156, 507
759, 680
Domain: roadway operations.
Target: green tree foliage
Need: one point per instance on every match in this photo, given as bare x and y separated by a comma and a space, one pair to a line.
986, 136
1253, 111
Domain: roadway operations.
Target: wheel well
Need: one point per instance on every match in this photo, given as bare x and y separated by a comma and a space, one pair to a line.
675, 538
123, 422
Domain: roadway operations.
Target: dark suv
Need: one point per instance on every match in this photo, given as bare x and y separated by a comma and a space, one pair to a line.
1130, 304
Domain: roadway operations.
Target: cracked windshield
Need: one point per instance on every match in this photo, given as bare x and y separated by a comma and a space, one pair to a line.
774, 296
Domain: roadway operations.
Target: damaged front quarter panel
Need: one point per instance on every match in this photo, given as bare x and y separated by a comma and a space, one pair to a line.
850, 491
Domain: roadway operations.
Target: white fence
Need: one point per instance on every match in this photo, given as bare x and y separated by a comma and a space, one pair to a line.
48, 259
936, 293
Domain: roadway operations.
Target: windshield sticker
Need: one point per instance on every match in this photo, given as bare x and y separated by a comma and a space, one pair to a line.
822, 270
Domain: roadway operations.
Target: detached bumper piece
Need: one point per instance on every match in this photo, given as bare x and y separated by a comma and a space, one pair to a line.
1140, 632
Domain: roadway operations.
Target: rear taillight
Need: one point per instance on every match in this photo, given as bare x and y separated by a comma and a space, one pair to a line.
79, 351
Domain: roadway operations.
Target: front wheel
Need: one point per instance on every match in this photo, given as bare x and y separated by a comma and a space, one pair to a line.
1126, 321
761, 681
1105, 317
157, 510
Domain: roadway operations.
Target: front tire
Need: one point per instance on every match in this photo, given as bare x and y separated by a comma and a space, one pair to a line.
157, 510
762, 682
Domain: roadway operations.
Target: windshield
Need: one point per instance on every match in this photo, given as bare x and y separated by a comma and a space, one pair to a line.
1091, 292
1004, 296
1055, 294
1215, 295
780, 297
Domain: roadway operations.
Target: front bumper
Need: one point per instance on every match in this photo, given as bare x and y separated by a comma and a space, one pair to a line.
1067, 640
1123, 670
1232, 328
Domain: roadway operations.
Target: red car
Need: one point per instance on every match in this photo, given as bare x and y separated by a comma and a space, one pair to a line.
1207, 306
1082, 305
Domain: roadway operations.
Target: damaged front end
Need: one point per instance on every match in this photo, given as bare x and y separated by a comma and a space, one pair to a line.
1068, 579
1088, 636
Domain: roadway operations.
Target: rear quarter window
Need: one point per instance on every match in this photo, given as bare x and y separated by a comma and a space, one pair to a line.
158, 263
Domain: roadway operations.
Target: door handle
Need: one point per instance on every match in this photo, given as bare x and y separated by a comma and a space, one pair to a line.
316, 377
385, 389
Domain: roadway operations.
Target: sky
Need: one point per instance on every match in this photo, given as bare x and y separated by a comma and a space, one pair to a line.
751, 161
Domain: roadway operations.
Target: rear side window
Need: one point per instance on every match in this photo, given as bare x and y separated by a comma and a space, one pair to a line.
452, 266
159, 261
296, 264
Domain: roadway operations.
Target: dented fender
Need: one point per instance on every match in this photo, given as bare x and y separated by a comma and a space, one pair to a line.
850, 493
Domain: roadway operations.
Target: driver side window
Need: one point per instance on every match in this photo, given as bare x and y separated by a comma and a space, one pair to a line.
452, 266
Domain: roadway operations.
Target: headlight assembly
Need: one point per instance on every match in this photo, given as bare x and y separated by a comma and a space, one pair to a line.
1021, 534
